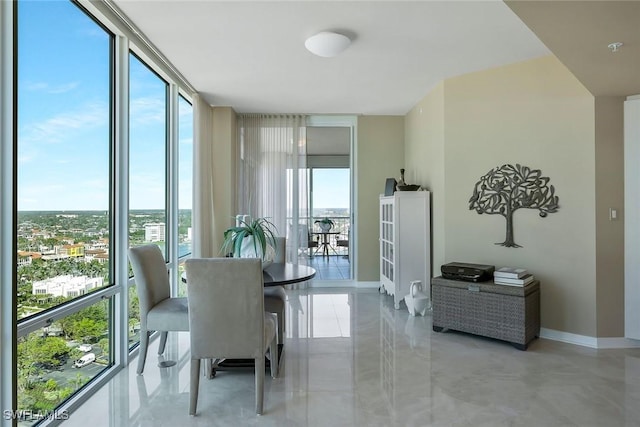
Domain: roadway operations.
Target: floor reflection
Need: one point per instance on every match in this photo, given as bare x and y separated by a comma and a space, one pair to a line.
351, 359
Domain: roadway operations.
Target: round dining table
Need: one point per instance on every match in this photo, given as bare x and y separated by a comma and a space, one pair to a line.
281, 274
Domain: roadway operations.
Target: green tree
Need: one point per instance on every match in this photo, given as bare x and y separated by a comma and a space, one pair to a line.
48, 352
88, 324
89, 330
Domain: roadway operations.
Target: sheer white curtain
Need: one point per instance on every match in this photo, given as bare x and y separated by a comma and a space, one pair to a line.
203, 244
272, 174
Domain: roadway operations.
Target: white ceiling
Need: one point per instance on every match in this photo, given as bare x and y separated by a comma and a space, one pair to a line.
251, 55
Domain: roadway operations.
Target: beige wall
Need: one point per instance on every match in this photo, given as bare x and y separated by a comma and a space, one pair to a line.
224, 172
424, 161
379, 155
533, 113
609, 153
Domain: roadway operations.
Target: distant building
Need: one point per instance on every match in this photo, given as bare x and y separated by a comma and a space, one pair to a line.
73, 251
154, 232
25, 258
54, 257
66, 286
91, 254
102, 258
101, 244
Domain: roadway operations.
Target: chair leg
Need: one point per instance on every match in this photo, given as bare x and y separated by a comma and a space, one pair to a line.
163, 341
208, 368
194, 386
281, 322
274, 362
142, 352
259, 361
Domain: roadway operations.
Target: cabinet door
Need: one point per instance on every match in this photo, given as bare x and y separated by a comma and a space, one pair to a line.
387, 249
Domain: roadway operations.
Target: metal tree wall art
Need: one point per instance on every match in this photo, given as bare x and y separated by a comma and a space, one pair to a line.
507, 188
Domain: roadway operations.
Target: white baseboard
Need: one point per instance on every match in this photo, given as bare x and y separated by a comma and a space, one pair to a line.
618, 342
568, 337
368, 285
587, 341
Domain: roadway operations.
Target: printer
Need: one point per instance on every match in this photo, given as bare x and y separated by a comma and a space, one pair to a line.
467, 272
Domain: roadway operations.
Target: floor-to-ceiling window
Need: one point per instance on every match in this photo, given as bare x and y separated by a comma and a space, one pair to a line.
148, 132
64, 202
185, 183
148, 105
89, 106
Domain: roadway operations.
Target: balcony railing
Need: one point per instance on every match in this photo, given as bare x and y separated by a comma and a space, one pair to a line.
341, 225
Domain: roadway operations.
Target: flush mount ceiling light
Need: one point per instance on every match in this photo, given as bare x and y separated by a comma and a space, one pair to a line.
327, 44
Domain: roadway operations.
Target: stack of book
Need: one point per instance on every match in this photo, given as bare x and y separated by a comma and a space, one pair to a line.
512, 276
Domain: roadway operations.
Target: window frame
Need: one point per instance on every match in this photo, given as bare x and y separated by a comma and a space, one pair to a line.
39, 320
124, 38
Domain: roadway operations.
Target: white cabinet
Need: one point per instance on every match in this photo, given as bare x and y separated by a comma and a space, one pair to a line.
405, 242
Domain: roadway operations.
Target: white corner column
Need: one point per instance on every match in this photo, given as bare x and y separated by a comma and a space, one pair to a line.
632, 217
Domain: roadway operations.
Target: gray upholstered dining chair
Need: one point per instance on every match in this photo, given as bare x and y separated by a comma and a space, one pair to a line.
274, 296
158, 310
227, 318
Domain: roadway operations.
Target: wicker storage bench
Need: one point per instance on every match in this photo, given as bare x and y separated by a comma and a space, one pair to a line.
509, 313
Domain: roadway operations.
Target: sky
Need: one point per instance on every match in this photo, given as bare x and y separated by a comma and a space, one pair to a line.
63, 121
330, 188
63, 117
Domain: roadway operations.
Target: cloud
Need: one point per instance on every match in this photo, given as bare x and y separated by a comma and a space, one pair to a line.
146, 110
185, 114
52, 89
61, 126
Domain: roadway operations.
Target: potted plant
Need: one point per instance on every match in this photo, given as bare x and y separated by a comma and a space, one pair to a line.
325, 224
251, 239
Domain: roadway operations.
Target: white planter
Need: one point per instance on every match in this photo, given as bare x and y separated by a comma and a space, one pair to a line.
324, 226
248, 250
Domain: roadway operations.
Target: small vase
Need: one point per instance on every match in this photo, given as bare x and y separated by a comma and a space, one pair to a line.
417, 301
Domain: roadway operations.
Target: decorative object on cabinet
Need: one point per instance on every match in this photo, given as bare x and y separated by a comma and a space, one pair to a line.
390, 187
403, 186
417, 300
507, 188
405, 242
506, 313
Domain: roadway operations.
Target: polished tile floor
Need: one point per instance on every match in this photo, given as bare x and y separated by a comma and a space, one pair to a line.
350, 359
334, 267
